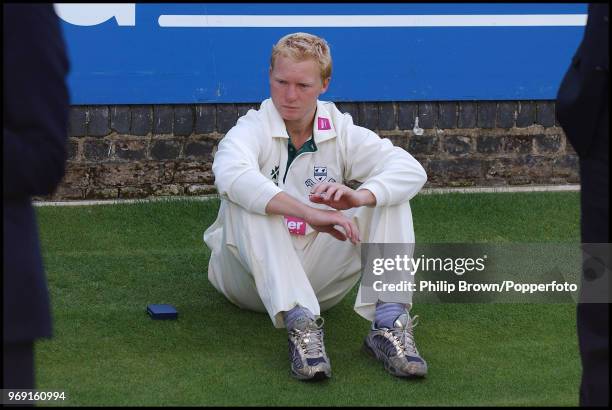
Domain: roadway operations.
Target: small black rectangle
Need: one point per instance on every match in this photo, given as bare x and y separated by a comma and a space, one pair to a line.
162, 312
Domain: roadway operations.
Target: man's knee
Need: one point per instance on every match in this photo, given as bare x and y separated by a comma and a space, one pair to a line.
391, 223
241, 224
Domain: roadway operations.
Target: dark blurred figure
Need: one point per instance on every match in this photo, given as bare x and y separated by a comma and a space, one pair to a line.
582, 111
35, 121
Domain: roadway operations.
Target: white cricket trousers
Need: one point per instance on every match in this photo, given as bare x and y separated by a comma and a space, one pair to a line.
258, 265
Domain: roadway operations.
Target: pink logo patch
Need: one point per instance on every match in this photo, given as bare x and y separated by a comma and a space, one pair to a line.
296, 226
324, 124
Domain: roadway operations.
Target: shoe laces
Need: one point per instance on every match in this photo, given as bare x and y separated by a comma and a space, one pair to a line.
403, 338
310, 339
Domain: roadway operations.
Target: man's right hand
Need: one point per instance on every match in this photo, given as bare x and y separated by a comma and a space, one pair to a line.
323, 220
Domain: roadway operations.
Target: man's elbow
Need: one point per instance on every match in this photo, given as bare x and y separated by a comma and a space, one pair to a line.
59, 171
420, 176
423, 176
50, 173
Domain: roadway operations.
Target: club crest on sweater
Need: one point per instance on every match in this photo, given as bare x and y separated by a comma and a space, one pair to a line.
319, 175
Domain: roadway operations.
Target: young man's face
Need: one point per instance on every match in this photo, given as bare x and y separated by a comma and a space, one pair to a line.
295, 87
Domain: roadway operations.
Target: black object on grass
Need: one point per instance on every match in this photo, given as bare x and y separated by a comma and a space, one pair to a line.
162, 312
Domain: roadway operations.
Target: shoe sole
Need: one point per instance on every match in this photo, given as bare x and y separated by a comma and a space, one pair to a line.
318, 376
414, 369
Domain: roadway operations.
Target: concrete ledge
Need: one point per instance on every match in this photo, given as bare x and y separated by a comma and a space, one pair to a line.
126, 201
425, 191
526, 188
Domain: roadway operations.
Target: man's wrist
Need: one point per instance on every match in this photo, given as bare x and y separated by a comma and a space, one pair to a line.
307, 213
366, 197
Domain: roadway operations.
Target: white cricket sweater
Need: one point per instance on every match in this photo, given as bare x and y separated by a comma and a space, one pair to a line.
250, 166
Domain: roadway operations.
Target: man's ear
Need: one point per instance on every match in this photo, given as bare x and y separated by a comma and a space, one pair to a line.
326, 84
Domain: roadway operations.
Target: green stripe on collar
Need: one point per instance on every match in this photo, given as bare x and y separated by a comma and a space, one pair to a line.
292, 153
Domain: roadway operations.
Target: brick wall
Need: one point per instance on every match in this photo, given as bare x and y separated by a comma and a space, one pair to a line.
143, 150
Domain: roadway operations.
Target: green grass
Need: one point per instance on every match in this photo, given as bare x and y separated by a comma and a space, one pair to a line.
106, 263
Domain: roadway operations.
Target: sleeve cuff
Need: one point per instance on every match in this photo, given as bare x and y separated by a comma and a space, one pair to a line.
378, 190
262, 196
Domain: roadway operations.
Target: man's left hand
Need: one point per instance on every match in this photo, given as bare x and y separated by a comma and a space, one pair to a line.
341, 197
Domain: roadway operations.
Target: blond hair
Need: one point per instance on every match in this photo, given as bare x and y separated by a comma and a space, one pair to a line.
304, 46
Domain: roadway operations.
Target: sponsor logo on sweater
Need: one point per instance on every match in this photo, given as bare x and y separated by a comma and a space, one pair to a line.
274, 174
323, 123
295, 225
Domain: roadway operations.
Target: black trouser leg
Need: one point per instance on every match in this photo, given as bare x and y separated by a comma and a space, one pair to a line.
592, 318
18, 366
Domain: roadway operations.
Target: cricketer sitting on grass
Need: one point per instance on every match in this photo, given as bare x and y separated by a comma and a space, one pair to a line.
279, 243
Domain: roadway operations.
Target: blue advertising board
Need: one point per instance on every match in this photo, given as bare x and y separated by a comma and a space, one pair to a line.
161, 53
